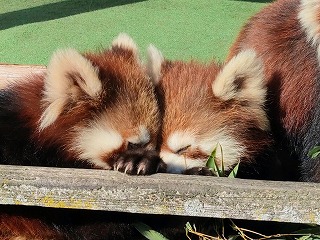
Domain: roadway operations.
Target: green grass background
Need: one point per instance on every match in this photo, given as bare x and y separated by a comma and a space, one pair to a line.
30, 30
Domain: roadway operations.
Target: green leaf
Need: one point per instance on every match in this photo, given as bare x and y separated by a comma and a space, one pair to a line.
234, 171
149, 233
304, 237
212, 164
222, 164
233, 237
314, 152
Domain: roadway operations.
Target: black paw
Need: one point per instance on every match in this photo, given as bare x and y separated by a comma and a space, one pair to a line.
203, 171
139, 162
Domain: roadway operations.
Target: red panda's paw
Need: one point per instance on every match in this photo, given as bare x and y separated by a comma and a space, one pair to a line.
203, 171
139, 162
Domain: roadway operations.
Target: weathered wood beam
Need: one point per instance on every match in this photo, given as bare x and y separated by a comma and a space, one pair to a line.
13, 72
160, 194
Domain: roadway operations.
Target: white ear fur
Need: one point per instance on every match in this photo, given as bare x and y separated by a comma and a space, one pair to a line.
308, 16
155, 60
242, 78
309, 19
124, 41
60, 87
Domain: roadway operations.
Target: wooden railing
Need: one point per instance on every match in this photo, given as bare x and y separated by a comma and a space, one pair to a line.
12, 72
171, 194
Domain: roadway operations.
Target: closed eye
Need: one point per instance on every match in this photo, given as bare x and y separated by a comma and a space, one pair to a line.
182, 150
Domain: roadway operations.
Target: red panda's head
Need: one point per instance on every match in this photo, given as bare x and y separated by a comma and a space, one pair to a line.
96, 105
206, 106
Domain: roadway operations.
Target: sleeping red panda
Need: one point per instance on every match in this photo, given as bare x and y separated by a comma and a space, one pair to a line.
209, 105
94, 110
286, 35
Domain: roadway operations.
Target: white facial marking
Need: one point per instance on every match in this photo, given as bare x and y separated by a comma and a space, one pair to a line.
179, 140
94, 142
100, 164
142, 138
231, 150
179, 163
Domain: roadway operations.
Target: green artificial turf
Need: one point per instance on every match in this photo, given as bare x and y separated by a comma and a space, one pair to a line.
182, 29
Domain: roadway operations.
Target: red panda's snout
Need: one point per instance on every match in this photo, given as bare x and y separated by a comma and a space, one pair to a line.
86, 109
183, 150
211, 107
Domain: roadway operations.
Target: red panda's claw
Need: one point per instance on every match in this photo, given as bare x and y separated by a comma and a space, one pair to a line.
139, 162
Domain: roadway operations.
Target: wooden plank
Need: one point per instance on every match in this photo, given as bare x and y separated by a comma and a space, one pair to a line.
13, 72
160, 194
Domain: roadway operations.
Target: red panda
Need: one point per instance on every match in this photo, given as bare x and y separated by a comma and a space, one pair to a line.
96, 110
208, 106
286, 35
14, 227
36, 223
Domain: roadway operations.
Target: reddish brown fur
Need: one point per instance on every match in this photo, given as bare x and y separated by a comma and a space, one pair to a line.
190, 105
24, 228
124, 84
292, 76
278, 38
128, 81
126, 102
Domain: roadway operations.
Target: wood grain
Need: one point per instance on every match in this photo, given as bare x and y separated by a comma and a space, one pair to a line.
11, 72
160, 194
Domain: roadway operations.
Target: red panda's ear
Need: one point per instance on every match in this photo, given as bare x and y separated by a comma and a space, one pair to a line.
125, 42
69, 74
154, 64
242, 79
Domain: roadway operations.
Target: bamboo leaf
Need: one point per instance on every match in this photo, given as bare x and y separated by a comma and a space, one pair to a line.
211, 162
314, 152
149, 233
222, 164
234, 171
304, 237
